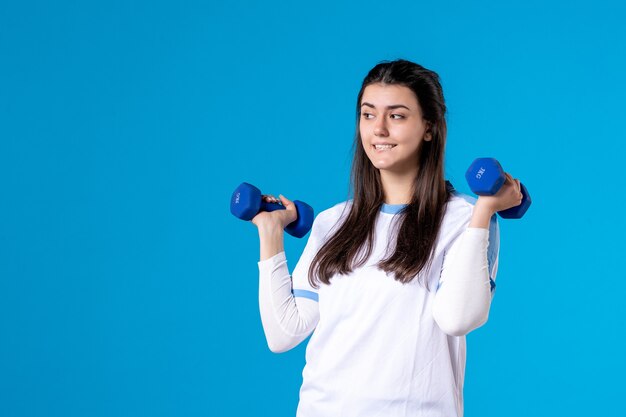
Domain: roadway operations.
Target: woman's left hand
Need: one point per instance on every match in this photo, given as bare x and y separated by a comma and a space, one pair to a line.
509, 195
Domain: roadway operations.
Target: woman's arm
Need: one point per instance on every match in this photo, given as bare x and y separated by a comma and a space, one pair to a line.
287, 321
463, 300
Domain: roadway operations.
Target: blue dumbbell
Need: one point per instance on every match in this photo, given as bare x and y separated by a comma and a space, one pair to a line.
247, 201
485, 177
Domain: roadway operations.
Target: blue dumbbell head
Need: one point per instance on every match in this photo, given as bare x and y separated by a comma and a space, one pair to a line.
303, 223
485, 176
245, 202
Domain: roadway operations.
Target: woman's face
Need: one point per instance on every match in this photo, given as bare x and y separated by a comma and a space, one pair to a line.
392, 127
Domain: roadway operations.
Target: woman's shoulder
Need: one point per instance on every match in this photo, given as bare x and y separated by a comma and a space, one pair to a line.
459, 211
460, 201
326, 219
459, 208
459, 204
335, 212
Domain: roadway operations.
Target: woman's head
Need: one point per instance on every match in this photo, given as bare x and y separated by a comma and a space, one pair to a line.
392, 128
400, 104
418, 130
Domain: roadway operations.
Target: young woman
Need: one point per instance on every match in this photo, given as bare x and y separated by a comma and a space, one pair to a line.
392, 280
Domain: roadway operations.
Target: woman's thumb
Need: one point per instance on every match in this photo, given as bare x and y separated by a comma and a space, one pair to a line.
284, 199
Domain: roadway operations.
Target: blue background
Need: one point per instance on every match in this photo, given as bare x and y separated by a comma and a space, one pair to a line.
128, 289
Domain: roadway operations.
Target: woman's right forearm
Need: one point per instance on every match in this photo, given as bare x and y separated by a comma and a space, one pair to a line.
271, 237
286, 322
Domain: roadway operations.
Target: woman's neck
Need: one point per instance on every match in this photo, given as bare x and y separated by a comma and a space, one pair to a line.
397, 187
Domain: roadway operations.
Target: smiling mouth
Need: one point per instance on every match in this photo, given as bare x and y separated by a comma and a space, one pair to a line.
383, 147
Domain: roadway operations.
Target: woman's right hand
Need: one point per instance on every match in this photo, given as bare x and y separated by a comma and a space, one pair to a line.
277, 218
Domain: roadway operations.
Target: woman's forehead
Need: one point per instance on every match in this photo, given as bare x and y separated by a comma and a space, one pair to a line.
383, 95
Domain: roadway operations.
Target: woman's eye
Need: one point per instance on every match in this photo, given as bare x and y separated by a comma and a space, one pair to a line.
366, 115
399, 116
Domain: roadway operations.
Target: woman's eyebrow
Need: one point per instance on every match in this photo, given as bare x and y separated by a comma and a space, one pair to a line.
393, 106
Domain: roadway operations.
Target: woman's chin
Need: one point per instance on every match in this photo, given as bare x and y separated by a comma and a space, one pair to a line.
386, 166
391, 167
380, 163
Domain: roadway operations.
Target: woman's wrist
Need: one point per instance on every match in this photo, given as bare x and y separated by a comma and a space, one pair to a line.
482, 215
269, 227
271, 240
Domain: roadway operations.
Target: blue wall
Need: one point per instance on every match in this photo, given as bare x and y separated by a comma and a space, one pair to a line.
128, 289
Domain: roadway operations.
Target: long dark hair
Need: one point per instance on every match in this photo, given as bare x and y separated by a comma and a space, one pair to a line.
421, 219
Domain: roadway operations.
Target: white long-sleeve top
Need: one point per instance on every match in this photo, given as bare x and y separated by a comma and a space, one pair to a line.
362, 315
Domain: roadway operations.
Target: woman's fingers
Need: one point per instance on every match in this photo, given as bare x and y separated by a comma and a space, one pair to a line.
284, 201
281, 198
514, 181
270, 198
290, 206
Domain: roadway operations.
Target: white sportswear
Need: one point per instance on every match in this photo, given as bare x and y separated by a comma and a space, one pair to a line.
380, 347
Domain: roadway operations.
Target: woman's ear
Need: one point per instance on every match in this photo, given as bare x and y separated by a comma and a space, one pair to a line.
428, 134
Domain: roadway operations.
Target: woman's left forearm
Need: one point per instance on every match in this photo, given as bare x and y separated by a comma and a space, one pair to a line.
462, 302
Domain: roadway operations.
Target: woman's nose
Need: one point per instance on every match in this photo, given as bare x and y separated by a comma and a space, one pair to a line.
380, 129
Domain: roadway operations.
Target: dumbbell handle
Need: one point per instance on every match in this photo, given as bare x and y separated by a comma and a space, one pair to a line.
268, 206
